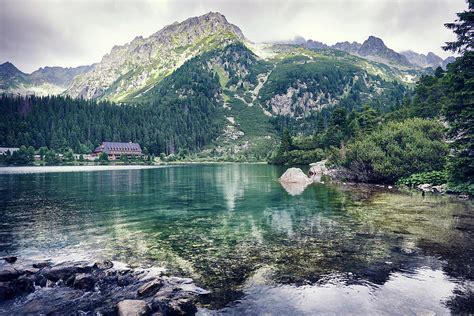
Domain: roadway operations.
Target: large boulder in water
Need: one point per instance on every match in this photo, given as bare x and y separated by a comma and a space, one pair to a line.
294, 181
295, 175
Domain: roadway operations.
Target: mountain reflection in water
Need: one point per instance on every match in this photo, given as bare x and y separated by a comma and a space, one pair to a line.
239, 233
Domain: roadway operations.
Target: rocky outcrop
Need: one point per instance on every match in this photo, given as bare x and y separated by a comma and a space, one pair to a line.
317, 170
100, 288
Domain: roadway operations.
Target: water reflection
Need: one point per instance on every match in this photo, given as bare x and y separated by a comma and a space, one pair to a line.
294, 188
230, 225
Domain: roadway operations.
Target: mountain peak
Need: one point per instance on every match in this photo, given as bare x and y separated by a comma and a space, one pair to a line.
372, 45
145, 61
8, 70
375, 47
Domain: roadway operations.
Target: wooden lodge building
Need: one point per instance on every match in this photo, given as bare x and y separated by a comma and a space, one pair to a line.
115, 150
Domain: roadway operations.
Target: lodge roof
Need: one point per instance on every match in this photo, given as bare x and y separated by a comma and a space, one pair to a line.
117, 147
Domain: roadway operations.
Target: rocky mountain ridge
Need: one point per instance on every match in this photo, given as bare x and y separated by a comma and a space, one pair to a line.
132, 69
47, 80
137, 66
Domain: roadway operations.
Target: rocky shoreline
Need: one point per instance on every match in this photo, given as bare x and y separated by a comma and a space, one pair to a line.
92, 288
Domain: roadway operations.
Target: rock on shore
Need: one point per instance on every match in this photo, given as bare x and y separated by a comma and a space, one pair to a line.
85, 288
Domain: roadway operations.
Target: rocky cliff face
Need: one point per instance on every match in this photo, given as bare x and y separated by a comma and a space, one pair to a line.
134, 67
351, 48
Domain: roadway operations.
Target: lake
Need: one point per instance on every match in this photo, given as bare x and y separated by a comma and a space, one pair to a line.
259, 248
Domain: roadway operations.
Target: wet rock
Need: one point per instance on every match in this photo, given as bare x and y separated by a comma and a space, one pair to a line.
8, 274
65, 270
132, 308
43, 264
84, 282
6, 291
69, 288
104, 265
40, 280
192, 288
24, 284
10, 259
150, 288
182, 306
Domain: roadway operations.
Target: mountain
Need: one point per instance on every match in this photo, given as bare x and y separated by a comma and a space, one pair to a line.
10, 76
428, 60
44, 81
351, 48
200, 85
133, 68
375, 49
57, 75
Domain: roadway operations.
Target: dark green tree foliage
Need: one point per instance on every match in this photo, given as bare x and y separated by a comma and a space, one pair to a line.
463, 27
23, 156
181, 112
459, 110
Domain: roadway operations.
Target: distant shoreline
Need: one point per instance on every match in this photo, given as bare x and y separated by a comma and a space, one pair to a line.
48, 169
87, 168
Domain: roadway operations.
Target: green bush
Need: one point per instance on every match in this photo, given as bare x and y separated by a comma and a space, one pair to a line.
396, 150
433, 178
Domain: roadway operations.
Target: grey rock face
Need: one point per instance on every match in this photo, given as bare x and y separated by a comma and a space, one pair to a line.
374, 46
351, 48
144, 61
421, 60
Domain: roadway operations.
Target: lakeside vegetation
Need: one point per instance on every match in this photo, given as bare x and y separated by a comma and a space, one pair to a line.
428, 137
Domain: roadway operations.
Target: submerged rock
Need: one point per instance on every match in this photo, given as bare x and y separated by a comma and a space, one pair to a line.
10, 259
84, 281
94, 289
8, 274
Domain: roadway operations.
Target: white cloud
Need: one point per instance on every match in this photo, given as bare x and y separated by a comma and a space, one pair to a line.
70, 33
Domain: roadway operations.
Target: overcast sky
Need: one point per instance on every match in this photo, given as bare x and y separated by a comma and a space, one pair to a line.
38, 33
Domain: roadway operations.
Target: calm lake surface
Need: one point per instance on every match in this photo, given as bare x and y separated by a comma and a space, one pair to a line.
331, 249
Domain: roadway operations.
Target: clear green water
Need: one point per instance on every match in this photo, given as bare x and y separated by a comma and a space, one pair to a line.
238, 232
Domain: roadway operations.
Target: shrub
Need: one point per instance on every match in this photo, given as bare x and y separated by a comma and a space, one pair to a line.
396, 150
433, 178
